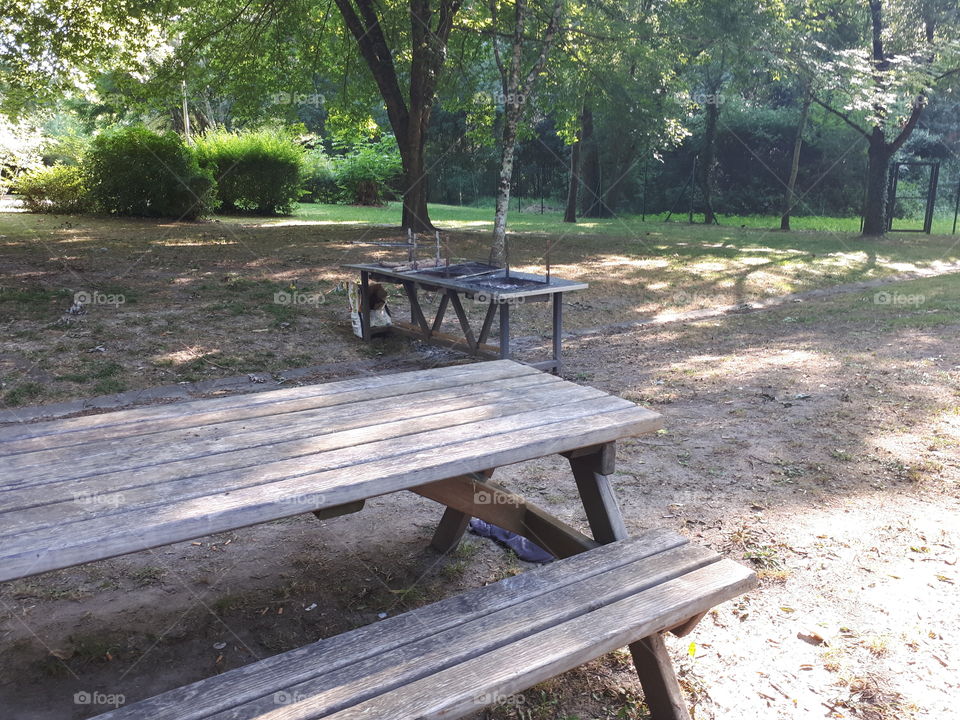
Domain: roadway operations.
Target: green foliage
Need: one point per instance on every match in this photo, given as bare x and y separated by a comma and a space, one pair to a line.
135, 171
58, 189
256, 171
319, 178
364, 173
20, 145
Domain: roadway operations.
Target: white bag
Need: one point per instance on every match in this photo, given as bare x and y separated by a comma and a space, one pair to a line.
379, 317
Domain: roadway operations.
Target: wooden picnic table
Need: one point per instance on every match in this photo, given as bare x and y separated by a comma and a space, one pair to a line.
87, 488
497, 291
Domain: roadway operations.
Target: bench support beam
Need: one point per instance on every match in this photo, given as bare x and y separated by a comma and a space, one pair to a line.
475, 495
661, 690
452, 526
338, 510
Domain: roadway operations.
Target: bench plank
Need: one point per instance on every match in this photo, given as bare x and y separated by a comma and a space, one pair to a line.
469, 685
262, 678
501, 442
451, 657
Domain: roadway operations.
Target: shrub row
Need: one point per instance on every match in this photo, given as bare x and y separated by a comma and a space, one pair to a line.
135, 171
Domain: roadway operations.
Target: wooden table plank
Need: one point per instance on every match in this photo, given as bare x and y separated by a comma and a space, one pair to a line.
47, 549
62, 502
140, 421
109, 454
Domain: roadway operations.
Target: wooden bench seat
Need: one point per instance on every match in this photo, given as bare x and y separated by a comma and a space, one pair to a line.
453, 657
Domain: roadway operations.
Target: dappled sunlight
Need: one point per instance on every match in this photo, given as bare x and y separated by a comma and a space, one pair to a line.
206, 242
302, 223
622, 261
183, 356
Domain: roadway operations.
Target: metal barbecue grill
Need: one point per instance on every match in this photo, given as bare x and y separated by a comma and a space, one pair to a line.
496, 287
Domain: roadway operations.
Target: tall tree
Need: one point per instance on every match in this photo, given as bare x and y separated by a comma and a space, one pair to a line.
517, 84
789, 194
409, 112
878, 80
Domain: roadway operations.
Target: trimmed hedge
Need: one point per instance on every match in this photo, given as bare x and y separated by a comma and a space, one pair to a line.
257, 171
135, 171
58, 189
364, 173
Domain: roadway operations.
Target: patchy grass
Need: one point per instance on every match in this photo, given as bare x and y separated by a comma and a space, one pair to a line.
184, 302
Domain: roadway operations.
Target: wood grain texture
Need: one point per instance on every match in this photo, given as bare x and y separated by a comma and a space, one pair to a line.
296, 488
81, 500
144, 420
271, 675
77, 502
436, 673
483, 379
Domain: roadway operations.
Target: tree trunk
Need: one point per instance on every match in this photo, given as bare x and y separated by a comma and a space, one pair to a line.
708, 160
789, 196
415, 215
498, 249
878, 170
590, 203
570, 213
409, 117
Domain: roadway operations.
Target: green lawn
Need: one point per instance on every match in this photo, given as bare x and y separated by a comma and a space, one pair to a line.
465, 218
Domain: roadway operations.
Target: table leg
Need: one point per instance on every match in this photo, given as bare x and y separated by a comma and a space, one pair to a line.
365, 304
661, 691
452, 526
591, 469
505, 331
557, 333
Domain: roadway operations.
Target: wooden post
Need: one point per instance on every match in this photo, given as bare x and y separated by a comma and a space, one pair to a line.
452, 526
661, 691
505, 330
590, 471
557, 333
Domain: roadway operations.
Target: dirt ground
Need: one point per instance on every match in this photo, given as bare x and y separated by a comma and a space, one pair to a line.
818, 442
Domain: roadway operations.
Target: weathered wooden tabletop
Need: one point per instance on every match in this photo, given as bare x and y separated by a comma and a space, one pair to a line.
93, 487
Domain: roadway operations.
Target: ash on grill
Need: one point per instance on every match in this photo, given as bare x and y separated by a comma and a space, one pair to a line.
474, 272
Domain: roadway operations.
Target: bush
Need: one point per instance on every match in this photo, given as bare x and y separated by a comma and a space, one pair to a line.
364, 172
319, 178
255, 171
135, 171
57, 189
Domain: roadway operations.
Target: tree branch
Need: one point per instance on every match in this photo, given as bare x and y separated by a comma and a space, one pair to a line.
843, 117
